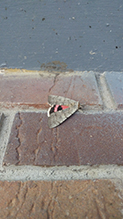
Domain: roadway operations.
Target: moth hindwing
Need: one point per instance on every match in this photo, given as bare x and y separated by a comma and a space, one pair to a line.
61, 109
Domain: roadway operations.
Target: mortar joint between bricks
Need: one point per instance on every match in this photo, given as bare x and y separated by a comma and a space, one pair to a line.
105, 93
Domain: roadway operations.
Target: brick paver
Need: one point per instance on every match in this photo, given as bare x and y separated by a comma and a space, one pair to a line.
82, 139
81, 86
24, 90
60, 199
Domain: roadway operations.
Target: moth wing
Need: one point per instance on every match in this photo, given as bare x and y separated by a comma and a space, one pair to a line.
58, 100
55, 119
58, 117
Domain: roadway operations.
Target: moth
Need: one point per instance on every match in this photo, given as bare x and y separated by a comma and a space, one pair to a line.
61, 109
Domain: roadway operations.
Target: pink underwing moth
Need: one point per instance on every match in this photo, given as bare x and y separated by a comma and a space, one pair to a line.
61, 109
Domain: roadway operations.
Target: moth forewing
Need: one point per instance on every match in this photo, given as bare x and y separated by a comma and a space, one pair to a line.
52, 121
55, 119
58, 117
68, 112
52, 100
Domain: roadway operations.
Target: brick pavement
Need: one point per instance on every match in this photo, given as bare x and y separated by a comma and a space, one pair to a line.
89, 138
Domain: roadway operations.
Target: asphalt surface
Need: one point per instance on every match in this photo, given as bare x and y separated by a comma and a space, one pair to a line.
61, 35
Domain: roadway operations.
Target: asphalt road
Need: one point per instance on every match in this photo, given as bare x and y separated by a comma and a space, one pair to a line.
60, 35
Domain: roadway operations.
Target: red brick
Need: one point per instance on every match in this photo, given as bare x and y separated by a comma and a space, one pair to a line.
115, 83
80, 140
81, 87
33, 90
25, 90
76, 199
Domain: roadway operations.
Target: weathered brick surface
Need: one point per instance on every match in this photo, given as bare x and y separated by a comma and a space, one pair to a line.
81, 87
82, 139
115, 83
61, 199
24, 90
33, 90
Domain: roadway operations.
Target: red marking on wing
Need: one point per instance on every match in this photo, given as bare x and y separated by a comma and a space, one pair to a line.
63, 107
56, 107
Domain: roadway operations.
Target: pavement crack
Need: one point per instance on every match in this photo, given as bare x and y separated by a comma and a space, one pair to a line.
37, 150
54, 144
69, 87
54, 82
52, 201
21, 197
38, 135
